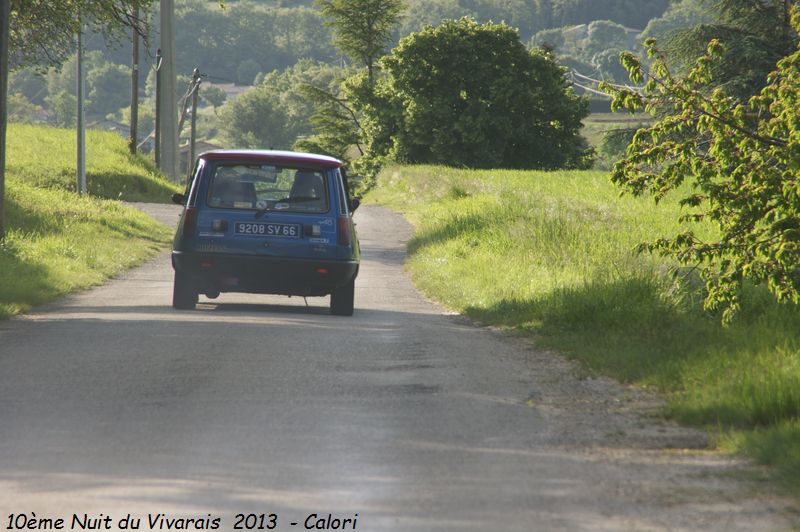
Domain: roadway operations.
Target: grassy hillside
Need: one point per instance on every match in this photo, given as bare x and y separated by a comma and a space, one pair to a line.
550, 255
58, 242
45, 157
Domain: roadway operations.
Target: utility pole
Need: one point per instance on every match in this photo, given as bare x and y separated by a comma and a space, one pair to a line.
193, 134
132, 142
157, 139
169, 104
81, 170
5, 14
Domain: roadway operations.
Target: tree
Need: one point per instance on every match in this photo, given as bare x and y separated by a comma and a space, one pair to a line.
362, 29
214, 96
680, 16
631, 13
255, 120
110, 88
20, 109
247, 71
471, 94
604, 35
740, 161
275, 113
335, 121
756, 34
43, 31
550, 39
63, 105
30, 83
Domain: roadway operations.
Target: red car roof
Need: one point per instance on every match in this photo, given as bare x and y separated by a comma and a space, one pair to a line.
272, 156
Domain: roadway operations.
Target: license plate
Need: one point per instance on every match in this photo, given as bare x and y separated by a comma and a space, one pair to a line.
267, 229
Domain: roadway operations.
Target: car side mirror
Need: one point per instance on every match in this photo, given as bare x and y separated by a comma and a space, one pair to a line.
178, 198
354, 203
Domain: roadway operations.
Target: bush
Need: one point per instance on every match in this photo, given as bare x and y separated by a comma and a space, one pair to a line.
469, 94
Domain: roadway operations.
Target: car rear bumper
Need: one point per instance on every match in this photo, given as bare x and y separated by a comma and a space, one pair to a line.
263, 275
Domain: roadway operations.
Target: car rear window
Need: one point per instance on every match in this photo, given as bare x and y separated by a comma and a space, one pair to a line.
268, 187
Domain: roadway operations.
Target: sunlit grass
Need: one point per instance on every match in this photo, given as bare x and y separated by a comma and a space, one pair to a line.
58, 242
45, 157
551, 255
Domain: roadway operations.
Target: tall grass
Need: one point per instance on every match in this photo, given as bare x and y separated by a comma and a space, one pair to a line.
56, 241
551, 255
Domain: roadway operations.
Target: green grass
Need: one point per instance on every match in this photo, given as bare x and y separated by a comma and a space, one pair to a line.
58, 242
550, 255
45, 157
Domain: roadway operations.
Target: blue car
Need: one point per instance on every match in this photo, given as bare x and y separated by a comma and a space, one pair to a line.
266, 222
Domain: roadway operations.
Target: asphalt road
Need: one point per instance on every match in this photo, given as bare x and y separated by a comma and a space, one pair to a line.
112, 403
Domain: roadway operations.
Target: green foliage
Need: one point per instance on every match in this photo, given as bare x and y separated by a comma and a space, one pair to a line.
335, 123
741, 162
147, 117
630, 13
550, 39
247, 71
109, 89
614, 145
362, 29
30, 83
43, 31
471, 94
64, 108
680, 15
275, 113
21, 110
756, 35
213, 95
591, 49
219, 41
255, 120
602, 35
531, 16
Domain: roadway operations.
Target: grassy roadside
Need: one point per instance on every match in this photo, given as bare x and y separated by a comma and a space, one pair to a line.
58, 242
549, 255
45, 157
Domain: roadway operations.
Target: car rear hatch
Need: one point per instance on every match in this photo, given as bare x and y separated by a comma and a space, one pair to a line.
268, 210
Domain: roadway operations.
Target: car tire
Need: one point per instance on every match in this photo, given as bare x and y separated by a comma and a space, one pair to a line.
184, 295
342, 299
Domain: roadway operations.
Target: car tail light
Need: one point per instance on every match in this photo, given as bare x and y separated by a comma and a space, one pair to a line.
189, 222
344, 230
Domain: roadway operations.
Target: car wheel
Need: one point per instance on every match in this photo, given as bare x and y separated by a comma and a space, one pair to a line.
342, 299
184, 295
